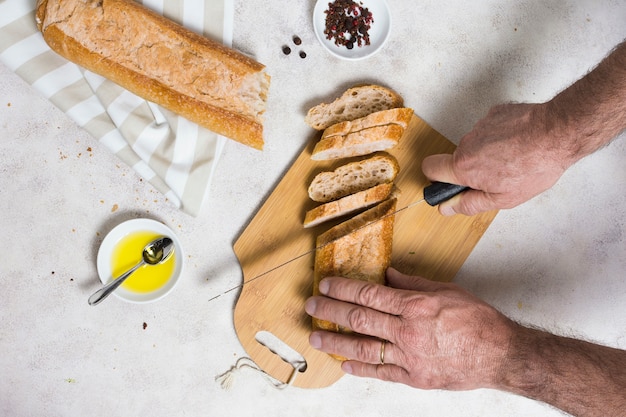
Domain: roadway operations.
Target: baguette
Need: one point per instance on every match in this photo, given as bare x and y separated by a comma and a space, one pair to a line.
347, 205
362, 251
354, 103
160, 61
399, 116
362, 142
353, 177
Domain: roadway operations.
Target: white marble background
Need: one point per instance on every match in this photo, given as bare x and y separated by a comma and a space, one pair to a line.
556, 262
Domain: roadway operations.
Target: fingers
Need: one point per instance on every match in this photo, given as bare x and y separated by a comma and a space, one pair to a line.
469, 202
384, 372
357, 318
367, 356
377, 297
367, 308
355, 347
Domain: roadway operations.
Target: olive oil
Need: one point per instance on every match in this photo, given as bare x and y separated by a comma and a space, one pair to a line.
128, 253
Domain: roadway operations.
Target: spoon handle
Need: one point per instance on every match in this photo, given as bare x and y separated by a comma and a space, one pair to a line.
104, 292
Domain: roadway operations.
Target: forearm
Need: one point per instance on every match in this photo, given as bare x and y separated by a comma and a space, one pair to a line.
592, 111
578, 377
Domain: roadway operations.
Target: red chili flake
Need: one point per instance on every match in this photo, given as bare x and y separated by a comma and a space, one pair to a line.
348, 23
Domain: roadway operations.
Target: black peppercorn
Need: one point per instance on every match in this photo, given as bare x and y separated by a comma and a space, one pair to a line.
348, 23
286, 50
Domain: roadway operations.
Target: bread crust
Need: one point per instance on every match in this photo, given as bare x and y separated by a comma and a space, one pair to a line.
354, 103
347, 205
398, 116
359, 248
353, 177
153, 57
359, 143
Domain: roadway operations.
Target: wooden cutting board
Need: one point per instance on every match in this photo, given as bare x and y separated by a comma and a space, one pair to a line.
425, 243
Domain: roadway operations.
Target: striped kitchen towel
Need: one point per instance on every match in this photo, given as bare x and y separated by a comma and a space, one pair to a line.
175, 155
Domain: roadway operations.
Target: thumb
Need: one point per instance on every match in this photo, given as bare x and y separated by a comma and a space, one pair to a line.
440, 167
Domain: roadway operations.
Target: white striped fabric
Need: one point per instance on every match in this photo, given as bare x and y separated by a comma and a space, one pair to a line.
57, 80
15, 56
175, 155
10, 11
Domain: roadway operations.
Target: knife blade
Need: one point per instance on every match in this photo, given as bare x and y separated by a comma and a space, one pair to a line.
434, 194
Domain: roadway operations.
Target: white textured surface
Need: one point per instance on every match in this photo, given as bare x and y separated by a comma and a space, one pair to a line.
556, 262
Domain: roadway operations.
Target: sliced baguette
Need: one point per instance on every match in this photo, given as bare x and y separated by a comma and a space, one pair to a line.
353, 177
362, 251
362, 142
347, 205
200, 79
354, 103
399, 116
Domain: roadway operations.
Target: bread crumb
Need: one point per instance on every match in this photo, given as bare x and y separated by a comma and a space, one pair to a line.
114, 208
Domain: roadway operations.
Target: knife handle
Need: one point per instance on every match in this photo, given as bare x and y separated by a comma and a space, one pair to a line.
438, 192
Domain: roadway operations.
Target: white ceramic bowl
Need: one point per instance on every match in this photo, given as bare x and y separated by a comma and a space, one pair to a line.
379, 30
115, 236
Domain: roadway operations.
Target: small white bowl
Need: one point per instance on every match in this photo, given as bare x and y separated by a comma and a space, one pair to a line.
378, 32
119, 232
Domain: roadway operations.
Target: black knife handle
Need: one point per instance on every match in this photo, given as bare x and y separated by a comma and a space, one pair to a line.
438, 192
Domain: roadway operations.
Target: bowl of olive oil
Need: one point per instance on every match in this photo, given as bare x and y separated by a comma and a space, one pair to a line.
122, 249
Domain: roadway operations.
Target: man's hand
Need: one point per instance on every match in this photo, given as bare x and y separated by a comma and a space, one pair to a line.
520, 150
508, 158
438, 335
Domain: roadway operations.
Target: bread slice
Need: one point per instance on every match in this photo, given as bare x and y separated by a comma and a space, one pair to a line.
362, 250
399, 116
362, 142
353, 177
354, 103
200, 79
347, 205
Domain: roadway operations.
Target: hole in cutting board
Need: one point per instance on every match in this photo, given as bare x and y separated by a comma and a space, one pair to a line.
282, 350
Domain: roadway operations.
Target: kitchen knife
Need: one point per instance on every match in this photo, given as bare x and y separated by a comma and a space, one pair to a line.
434, 194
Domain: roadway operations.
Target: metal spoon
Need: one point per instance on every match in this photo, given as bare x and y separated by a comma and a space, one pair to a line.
154, 253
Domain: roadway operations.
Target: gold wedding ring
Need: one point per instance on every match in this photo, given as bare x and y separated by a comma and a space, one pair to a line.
382, 352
